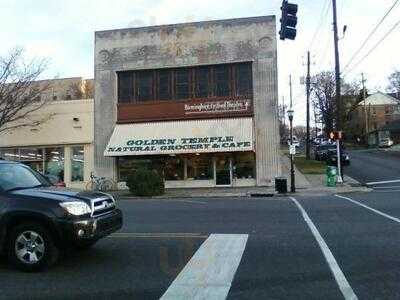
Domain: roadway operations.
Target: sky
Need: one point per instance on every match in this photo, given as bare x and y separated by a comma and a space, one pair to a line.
63, 32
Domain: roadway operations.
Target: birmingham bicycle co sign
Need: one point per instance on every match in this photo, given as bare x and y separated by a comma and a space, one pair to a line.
217, 107
180, 145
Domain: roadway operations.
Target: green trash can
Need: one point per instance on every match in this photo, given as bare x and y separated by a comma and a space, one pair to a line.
331, 176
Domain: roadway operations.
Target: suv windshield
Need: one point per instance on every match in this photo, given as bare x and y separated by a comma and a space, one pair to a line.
14, 176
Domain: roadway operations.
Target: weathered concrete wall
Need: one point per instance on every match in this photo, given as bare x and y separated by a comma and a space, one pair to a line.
213, 42
58, 127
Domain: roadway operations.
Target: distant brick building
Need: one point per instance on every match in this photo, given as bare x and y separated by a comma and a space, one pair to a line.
378, 110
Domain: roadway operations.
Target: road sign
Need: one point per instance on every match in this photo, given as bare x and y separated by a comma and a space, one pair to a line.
292, 149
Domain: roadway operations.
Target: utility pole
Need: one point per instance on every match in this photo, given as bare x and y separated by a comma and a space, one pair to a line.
284, 112
338, 92
365, 108
308, 87
337, 67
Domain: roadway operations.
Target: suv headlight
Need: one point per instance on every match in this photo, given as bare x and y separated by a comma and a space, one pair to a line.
76, 208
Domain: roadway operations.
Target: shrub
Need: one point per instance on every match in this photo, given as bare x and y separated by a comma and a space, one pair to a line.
144, 182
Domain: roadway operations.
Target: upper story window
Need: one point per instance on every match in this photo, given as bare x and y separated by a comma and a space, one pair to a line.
202, 82
164, 85
222, 81
216, 81
182, 84
144, 85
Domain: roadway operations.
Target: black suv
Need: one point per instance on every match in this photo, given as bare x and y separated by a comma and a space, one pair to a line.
38, 220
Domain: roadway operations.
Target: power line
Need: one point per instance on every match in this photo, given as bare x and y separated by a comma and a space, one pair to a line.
324, 12
371, 34
374, 47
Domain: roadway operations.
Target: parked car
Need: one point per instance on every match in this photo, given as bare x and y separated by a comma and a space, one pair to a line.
332, 158
386, 143
321, 151
38, 220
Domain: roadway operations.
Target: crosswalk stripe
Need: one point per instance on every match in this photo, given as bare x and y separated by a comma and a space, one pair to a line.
210, 272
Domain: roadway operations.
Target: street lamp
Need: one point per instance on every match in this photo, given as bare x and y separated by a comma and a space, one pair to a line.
290, 114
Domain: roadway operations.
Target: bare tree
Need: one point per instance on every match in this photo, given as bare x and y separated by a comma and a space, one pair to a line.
394, 82
84, 90
324, 99
323, 95
20, 92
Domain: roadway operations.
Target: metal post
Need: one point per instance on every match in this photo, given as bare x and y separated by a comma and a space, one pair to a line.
365, 109
292, 175
308, 86
339, 163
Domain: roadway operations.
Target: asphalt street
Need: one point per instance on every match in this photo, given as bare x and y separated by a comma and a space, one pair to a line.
374, 166
342, 248
314, 247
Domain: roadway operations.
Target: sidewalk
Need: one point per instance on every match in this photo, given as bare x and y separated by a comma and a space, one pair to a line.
305, 184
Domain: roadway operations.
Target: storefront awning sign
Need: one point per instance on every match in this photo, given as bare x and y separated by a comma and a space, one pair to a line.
197, 136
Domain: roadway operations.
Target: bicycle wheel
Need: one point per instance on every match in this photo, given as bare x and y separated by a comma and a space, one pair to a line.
107, 185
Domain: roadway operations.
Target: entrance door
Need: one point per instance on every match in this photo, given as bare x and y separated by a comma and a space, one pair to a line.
223, 171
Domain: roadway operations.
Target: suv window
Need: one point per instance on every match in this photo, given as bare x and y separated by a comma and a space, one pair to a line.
14, 176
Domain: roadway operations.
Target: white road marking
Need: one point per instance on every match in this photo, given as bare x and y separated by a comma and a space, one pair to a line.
387, 187
370, 208
209, 274
191, 201
383, 182
386, 191
341, 280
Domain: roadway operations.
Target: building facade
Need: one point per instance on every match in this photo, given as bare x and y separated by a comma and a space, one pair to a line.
61, 147
196, 102
375, 112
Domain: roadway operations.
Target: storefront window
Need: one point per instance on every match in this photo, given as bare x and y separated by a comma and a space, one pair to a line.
77, 163
10, 154
200, 167
127, 165
54, 164
244, 165
32, 157
174, 168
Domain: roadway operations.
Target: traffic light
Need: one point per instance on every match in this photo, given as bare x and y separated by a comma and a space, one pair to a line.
336, 135
288, 21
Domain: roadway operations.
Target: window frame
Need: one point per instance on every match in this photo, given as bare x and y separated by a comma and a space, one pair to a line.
193, 83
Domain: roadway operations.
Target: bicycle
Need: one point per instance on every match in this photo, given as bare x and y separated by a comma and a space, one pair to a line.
102, 184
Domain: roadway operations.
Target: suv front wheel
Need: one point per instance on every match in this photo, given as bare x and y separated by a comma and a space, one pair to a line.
31, 247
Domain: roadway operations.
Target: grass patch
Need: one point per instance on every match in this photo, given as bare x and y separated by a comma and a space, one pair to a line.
309, 166
351, 146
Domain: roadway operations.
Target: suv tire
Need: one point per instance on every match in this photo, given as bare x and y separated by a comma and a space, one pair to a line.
31, 247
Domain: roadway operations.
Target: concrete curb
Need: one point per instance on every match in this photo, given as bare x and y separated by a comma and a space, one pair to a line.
306, 188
